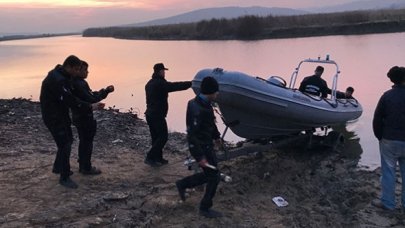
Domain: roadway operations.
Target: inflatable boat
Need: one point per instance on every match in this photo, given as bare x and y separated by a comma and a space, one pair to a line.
264, 108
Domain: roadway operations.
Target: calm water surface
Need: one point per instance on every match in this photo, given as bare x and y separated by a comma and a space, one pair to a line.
127, 64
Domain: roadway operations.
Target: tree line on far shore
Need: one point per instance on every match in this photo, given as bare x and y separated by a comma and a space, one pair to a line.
254, 27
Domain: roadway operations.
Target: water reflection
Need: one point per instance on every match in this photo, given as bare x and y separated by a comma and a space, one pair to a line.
363, 61
352, 148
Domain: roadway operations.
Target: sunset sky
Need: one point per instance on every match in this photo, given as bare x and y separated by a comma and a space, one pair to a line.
28, 16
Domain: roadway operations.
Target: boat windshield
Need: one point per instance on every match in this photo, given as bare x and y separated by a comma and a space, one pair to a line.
318, 61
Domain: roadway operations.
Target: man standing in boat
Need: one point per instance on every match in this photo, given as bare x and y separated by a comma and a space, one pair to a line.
315, 85
157, 91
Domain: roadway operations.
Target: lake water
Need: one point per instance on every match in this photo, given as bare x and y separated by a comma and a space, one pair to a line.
363, 60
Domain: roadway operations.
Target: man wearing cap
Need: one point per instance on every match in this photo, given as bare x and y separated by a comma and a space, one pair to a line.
315, 85
157, 91
202, 132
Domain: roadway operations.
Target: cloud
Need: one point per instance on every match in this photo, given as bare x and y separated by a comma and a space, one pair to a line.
164, 4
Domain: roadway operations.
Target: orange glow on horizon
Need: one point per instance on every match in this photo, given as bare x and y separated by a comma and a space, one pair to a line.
61, 3
140, 4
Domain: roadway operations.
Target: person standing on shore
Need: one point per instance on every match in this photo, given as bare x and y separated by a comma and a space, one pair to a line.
157, 92
389, 129
56, 98
84, 120
202, 132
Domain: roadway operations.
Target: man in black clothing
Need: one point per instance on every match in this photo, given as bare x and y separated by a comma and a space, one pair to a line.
348, 94
157, 91
84, 121
202, 132
56, 98
315, 85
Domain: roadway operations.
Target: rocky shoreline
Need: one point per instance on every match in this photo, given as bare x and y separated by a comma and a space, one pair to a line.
324, 188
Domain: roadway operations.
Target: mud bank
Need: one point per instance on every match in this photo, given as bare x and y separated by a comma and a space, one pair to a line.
324, 188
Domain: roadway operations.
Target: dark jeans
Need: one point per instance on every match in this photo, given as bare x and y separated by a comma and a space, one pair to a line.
63, 137
159, 134
86, 130
210, 176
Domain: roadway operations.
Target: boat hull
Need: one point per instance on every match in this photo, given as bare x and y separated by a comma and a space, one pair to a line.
265, 110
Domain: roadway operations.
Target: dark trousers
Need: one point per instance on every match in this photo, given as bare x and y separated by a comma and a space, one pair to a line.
159, 134
209, 176
86, 130
63, 138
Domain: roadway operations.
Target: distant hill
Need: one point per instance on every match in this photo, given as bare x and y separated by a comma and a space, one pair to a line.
218, 13
361, 5
257, 27
249, 23
235, 12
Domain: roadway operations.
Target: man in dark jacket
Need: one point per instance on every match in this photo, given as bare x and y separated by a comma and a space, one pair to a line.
348, 94
389, 129
56, 98
201, 133
157, 91
315, 85
84, 121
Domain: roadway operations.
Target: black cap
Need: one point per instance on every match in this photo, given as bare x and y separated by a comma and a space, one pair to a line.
158, 67
209, 85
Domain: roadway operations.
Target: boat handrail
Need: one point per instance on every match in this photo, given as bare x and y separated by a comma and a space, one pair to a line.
323, 61
281, 82
352, 101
